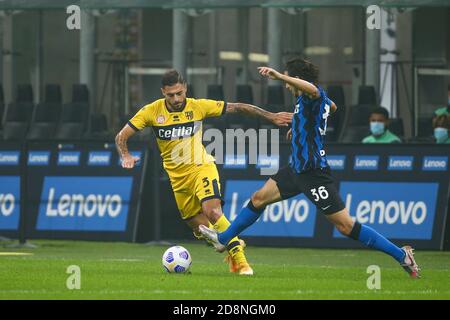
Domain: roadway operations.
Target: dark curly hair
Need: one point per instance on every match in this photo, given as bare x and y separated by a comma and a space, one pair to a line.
172, 77
303, 69
442, 121
380, 110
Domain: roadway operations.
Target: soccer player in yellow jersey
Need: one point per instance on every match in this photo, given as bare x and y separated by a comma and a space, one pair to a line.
176, 122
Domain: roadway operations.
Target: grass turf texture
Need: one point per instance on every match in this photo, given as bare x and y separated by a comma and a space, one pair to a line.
134, 271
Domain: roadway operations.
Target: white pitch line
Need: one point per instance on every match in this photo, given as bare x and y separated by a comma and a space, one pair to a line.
16, 253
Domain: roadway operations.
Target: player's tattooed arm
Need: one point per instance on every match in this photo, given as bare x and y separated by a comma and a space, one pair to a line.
302, 85
281, 119
128, 161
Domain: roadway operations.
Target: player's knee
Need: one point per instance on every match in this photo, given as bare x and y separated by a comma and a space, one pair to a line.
345, 228
213, 214
258, 200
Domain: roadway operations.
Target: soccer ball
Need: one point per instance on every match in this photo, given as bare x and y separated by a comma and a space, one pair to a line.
176, 260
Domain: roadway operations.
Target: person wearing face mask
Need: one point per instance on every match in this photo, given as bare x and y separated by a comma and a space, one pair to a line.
440, 128
379, 120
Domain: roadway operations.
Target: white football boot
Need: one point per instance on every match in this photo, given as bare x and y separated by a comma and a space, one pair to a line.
409, 264
211, 235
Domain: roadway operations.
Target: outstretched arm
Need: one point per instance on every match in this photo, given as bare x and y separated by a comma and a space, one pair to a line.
128, 161
333, 107
281, 119
300, 84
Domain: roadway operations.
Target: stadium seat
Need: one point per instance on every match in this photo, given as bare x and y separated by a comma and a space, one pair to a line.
18, 114
41, 131
2, 111
214, 122
44, 121
367, 95
24, 93
15, 130
99, 127
425, 126
19, 111
80, 93
355, 134
98, 122
75, 112
46, 114
2, 96
69, 131
275, 96
190, 91
215, 92
396, 126
244, 93
358, 115
275, 103
74, 121
336, 93
336, 120
53, 93
335, 123
2, 105
237, 120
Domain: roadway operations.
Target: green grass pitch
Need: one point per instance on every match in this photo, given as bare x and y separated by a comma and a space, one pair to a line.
134, 271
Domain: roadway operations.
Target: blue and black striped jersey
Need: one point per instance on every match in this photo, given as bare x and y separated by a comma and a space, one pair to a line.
308, 130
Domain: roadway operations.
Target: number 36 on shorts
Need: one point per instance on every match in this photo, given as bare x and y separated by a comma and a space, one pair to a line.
319, 193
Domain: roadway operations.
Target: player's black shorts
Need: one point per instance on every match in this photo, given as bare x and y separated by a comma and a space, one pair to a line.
317, 184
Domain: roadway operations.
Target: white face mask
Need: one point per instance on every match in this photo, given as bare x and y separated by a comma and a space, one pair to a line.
377, 128
441, 135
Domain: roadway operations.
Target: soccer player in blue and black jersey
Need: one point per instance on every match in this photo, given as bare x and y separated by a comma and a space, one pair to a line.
308, 171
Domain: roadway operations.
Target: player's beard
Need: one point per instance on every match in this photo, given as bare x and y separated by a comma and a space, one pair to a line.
177, 107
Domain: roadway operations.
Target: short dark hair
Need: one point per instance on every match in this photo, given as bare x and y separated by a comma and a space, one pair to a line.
172, 77
380, 110
442, 121
302, 68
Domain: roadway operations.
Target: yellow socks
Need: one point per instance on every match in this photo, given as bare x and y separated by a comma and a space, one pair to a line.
234, 247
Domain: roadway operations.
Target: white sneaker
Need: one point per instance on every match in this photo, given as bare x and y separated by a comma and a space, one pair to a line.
409, 264
211, 235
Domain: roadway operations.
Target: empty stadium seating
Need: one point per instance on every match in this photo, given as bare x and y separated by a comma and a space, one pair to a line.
18, 114
46, 114
336, 120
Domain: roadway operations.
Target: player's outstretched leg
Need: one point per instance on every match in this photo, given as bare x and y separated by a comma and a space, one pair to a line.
269, 193
235, 247
373, 239
246, 217
235, 257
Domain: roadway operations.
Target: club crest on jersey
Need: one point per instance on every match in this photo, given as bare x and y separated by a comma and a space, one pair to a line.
189, 115
160, 119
